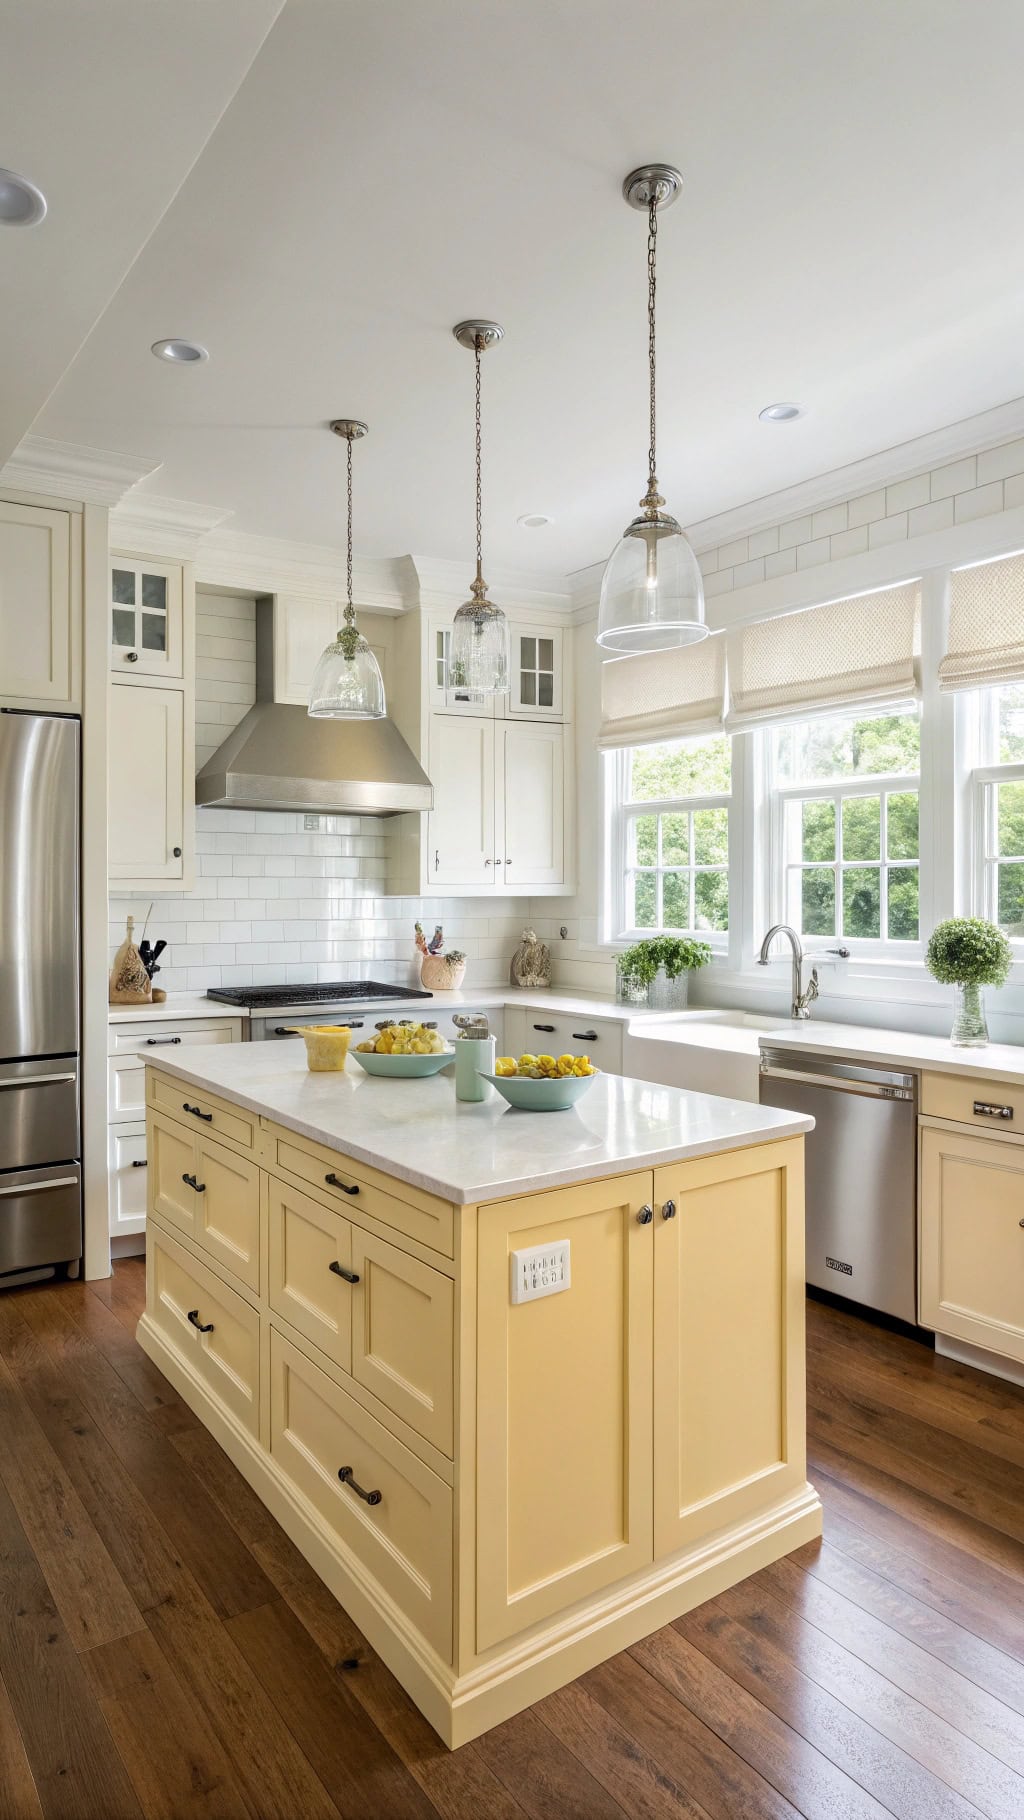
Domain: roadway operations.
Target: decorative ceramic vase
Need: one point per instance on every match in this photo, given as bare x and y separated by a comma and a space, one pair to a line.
531, 962
442, 972
129, 983
970, 1030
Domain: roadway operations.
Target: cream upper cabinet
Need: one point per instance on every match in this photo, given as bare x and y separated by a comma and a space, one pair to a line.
442, 694
302, 628
150, 789
537, 688
146, 619
39, 606
971, 1237
461, 834
498, 822
532, 819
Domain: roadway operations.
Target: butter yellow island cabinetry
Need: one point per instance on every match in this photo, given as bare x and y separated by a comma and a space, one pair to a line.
522, 1388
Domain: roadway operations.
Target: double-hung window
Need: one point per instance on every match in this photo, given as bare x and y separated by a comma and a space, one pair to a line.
845, 826
670, 828
998, 790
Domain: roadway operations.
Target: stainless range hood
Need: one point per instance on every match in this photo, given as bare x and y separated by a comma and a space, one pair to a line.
278, 758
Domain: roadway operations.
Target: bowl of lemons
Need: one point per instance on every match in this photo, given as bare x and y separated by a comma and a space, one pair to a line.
404, 1052
542, 1083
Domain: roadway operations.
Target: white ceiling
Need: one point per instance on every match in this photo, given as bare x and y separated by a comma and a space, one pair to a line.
848, 236
105, 107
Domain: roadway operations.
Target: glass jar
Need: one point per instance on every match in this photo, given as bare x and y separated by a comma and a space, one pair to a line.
970, 1030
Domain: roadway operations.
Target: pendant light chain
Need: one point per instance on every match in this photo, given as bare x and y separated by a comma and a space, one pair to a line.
652, 290
350, 612
478, 350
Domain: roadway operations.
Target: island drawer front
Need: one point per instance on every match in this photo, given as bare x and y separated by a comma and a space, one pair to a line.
568, 1033
226, 1356
305, 1239
990, 1105
208, 1192
191, 1107
146, 1041
403, 1336
424, 1218
405, 1539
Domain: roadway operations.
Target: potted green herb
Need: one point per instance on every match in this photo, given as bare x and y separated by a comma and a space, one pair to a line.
967, 953
656, 971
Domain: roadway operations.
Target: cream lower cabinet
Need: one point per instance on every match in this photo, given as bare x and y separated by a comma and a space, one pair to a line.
501, 1492
971, 1240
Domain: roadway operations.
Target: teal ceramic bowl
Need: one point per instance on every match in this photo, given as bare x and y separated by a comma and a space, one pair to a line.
542, 1096
402, 1067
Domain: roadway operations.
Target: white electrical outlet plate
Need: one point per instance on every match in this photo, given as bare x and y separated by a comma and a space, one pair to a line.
540, 1270
311, 824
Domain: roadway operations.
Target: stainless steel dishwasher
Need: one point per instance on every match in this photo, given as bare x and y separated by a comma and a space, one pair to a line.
861, 1164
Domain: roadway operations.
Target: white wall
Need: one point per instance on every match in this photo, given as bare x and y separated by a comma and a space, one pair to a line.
276, 902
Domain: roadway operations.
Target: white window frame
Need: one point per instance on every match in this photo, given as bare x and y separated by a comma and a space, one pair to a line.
836, 790
985, 779
624, 811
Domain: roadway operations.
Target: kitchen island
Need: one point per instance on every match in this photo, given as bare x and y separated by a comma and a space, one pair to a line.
503, 1487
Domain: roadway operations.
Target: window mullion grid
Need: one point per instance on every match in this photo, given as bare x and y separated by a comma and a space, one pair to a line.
691, 855
659, 881
883, 862
839, 862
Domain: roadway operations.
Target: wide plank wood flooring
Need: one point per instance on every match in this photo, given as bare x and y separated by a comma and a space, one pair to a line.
165, 1653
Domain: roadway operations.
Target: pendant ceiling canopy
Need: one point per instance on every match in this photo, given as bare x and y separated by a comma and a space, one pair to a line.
652, 594
347, 683
479, 654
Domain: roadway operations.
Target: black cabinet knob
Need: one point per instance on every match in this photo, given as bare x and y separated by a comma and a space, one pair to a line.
645, 1216
668, 1211
177, 852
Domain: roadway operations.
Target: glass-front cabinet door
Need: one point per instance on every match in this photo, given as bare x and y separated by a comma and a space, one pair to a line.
536, 692
145, 618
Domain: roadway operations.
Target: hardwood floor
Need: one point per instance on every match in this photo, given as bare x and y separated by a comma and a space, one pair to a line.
165, 1652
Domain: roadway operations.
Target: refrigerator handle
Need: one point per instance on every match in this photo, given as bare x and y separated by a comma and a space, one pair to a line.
35, 1080
57, 1181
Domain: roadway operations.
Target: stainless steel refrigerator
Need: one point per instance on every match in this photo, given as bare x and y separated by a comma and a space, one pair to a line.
40, 1121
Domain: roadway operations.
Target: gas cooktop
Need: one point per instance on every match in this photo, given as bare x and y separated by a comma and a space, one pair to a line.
334, 992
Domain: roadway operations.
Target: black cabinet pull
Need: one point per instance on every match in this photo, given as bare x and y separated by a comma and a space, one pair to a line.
200, 1187
368, 1497
668, 1211
335, 1181
138, 1162
203, 1326
585, 1036
645, 1216
547, 1029
196, 1114
340, 1271
157, 1042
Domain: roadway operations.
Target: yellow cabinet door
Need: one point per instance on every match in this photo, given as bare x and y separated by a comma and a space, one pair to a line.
971, 1250
563, 1405
172, 1158
728, 1339
373, 1495
213, 1330
403, 1335
310, 1269
227, 1196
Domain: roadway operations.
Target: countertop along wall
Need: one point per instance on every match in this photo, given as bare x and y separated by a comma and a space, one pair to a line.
275, 901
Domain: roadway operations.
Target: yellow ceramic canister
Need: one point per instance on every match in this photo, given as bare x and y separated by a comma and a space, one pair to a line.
326, 1046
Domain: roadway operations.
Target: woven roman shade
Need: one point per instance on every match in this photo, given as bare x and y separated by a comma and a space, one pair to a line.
848, 654
663, 694
986, 626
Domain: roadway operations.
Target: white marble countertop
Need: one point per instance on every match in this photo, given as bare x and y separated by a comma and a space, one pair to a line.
177, 1005
484, 998
417, 1131
901, 1048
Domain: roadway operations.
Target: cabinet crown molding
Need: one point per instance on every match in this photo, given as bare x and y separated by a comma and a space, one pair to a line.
69, 470
148, 524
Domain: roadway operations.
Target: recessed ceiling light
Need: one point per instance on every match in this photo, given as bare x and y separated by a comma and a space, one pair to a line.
21, 204
780, 413
533, 520
179, 352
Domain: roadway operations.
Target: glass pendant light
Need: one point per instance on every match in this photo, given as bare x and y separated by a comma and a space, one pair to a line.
479, 654
652, 594
347, 683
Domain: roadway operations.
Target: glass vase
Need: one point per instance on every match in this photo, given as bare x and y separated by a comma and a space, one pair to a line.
970, 1031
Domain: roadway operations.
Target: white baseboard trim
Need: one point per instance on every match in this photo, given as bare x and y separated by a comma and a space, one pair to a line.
995, 1363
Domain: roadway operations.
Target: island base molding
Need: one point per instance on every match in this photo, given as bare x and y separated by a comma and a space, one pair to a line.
460, 1708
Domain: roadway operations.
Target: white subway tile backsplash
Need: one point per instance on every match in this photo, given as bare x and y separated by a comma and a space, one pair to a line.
849, 543
1013, 491
887, 530
867, 507
938, 516
798, 530
746, 573
731, 553
906, 494
978, 502
765, 543
998, 464
957, 477
809, 555
831, 521
782, 563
